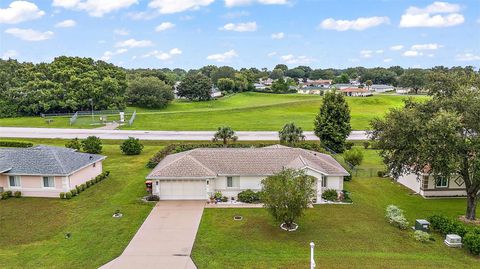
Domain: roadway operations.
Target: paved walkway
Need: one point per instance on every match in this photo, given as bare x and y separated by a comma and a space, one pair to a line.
109, 126
165, 239
21, 132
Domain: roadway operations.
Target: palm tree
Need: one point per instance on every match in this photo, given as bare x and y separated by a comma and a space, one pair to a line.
224, 133
291, 134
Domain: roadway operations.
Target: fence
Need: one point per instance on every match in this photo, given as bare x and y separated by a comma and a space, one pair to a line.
73, 119
132, 118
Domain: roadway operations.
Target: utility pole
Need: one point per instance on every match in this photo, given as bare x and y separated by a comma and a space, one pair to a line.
312, 261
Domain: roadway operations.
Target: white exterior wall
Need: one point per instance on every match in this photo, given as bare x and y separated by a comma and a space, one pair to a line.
410, 181
414, 183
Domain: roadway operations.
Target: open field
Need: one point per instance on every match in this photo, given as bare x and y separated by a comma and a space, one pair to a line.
243, 112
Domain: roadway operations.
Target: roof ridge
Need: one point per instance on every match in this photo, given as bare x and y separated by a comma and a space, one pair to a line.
201, 164
64, 170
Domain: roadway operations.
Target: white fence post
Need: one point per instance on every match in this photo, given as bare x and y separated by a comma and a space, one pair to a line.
312, 260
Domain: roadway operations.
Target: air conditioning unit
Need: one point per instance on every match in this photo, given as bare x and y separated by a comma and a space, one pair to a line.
422, 225
453, 240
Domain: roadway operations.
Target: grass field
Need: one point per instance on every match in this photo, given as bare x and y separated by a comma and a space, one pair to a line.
243, 112
32, 229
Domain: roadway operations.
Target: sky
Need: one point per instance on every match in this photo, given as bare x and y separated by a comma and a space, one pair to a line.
244, 33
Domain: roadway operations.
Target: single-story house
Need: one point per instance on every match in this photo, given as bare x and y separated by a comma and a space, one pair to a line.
341, 86
199, 173
310, 90
402, 90
427, 185
259, 86
321, 83
358, 92
381, 88
46, 171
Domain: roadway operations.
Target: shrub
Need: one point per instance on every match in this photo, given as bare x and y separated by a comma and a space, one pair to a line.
354, 157
83, 187
16, 144
421, 236
62, 195
445, 225
88, 184
74, 192
153, 198
131, 146
218, 195
4, 196
346, 196
349, 145
380, 173
68, 195
92, 145
366, 144
9, 193
224, 199
78, 189
17, 194
471, 241
248, 196
74, 144
395, 217
330, 195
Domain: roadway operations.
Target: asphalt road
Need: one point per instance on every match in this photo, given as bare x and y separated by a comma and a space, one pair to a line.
148, 135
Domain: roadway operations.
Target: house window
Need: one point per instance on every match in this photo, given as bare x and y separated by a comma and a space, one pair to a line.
233, 182
229, 182
14, 181
48, 182
441, 182
324, 181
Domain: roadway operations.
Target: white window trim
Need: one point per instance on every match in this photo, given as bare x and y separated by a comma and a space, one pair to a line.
15, 187
233, 183
442, 187
43, 182
324, 182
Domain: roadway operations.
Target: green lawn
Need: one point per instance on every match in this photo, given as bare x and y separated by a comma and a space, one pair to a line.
346, 236
32, 229
246, 111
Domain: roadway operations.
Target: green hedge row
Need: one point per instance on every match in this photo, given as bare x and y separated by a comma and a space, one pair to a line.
7, 194
16, 144
79, 188
176, 148
471, 236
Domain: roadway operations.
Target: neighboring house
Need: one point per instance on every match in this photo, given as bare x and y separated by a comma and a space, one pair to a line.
356, 92
401, 90
199, 173
381, 88
215, 92
259, 86
45, 171
266, 82
321, 83
341, 86
309, 90
428, 186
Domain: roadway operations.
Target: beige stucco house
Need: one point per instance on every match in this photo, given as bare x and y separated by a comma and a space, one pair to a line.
45, 171
199, 173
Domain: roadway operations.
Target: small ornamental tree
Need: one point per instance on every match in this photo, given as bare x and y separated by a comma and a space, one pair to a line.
291, 134
225, 134
332, 124
354, 157
287, 194
74, 144
92, 145
131, 146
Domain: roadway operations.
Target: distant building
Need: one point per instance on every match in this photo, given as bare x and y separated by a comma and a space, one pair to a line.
401, 90
381, 88
357, 92
321, 83
260, 86
342, 86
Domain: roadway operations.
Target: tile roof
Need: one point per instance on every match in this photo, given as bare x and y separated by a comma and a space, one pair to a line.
211, 162
44, 160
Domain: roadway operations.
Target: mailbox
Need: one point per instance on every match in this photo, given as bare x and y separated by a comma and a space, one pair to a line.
148, 185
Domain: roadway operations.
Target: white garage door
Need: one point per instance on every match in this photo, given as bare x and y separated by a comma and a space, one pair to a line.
183, 190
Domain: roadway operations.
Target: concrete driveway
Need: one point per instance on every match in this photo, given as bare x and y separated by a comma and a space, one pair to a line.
165, 239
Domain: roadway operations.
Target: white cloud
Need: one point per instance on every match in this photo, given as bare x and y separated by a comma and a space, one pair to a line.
29, 34
234, 3
107, 55
163, 56
359, 24
240, 27
280, 35
437, 14
366, 53
271, 54
66, 24
379, 51
387, 60
9, 54
223, 57
412, 53
292, 59
235, 15
175, 6
95, 8
121, 32
396, 47
467, 57
20, 11
133, 43
164, 26
431, 46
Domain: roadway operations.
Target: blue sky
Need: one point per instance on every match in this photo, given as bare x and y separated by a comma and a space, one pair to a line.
244, 33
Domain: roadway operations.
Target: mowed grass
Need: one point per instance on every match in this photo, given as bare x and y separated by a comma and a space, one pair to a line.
346, 236
32, 230
244, 112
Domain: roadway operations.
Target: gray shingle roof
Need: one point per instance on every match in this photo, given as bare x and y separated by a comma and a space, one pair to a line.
44, 160
211, 162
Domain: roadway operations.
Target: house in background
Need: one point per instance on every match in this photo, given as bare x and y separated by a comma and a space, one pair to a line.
427, 185
402, 90
356, 92
381, 88
199, 173
45, 171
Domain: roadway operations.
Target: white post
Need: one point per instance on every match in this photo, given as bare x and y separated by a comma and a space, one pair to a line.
312, 261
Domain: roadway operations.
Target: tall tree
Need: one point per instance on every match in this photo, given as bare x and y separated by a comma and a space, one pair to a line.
282, 67
332, 124
195, 86
222, 72
440, 136
413, 78
225, 134
280, 86
226, 85
277, 73
149, 92
291, 134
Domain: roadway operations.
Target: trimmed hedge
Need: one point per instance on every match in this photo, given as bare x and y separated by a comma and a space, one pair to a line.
16, 144
84, 186
17, 194
445, 225
177, 148
472, 241
249, 196
330, 195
